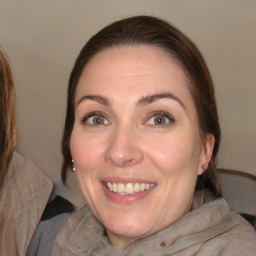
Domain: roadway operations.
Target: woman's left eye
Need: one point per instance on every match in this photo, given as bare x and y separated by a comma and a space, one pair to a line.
160, 120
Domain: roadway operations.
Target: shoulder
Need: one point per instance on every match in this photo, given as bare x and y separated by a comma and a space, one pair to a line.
79, 234
55, 214
225, 233
241, 238
236, 237
23, 171
26, 185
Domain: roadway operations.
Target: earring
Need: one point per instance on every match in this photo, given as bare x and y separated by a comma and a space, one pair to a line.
204, 167
73, 168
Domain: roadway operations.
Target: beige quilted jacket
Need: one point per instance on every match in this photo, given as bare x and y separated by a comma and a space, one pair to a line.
23, 198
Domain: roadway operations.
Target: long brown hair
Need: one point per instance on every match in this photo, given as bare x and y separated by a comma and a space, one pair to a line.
148, 30
8, 127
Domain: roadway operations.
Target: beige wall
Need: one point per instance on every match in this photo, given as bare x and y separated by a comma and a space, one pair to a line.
43, 38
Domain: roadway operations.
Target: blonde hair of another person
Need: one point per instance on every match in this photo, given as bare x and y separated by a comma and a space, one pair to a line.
8, 125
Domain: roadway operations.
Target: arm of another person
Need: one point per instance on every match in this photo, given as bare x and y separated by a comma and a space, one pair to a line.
24, 195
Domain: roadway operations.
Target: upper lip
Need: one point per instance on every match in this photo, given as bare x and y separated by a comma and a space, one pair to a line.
125, 180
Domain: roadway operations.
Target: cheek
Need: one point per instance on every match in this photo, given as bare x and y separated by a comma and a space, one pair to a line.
84, 152
175, 153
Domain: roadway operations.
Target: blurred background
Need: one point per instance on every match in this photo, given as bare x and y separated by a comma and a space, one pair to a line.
43, 38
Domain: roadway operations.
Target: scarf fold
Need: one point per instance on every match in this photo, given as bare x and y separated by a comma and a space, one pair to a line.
201, 229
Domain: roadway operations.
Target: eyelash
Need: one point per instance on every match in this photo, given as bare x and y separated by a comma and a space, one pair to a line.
159, 113
92, 114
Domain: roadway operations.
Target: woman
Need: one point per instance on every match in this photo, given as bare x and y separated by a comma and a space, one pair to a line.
24, 190
142, 135
8, 128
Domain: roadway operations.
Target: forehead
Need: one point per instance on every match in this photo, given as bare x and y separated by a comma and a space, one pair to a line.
132, 71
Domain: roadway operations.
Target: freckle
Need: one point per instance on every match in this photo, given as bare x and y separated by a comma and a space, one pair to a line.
163, 244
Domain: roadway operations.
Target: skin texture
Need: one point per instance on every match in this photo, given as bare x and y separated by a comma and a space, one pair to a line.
129, 145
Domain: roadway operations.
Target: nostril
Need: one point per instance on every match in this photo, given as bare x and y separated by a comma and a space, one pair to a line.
129, 162
122, 162
123, 149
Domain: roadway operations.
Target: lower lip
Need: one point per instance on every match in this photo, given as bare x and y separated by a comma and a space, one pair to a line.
126, 199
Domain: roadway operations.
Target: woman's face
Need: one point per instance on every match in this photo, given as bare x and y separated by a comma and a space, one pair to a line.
135, 143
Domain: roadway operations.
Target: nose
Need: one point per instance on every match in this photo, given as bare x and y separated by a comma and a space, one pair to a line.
124, 148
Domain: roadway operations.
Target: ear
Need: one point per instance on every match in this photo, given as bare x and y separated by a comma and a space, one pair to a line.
206, 153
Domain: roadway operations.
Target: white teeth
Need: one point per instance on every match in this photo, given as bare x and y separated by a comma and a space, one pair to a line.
110, 187
129, 188
120, 188
114, 187
137, 187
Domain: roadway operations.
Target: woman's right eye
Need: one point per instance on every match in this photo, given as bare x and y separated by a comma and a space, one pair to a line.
94, 120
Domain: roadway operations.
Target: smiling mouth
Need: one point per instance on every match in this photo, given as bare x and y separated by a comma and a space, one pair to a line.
129, 188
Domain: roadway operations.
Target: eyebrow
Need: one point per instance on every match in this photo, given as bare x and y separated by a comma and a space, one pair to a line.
100, 99
155, 97
141, 102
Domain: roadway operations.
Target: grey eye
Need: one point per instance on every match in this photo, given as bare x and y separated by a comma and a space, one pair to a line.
96, 120
159, 120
